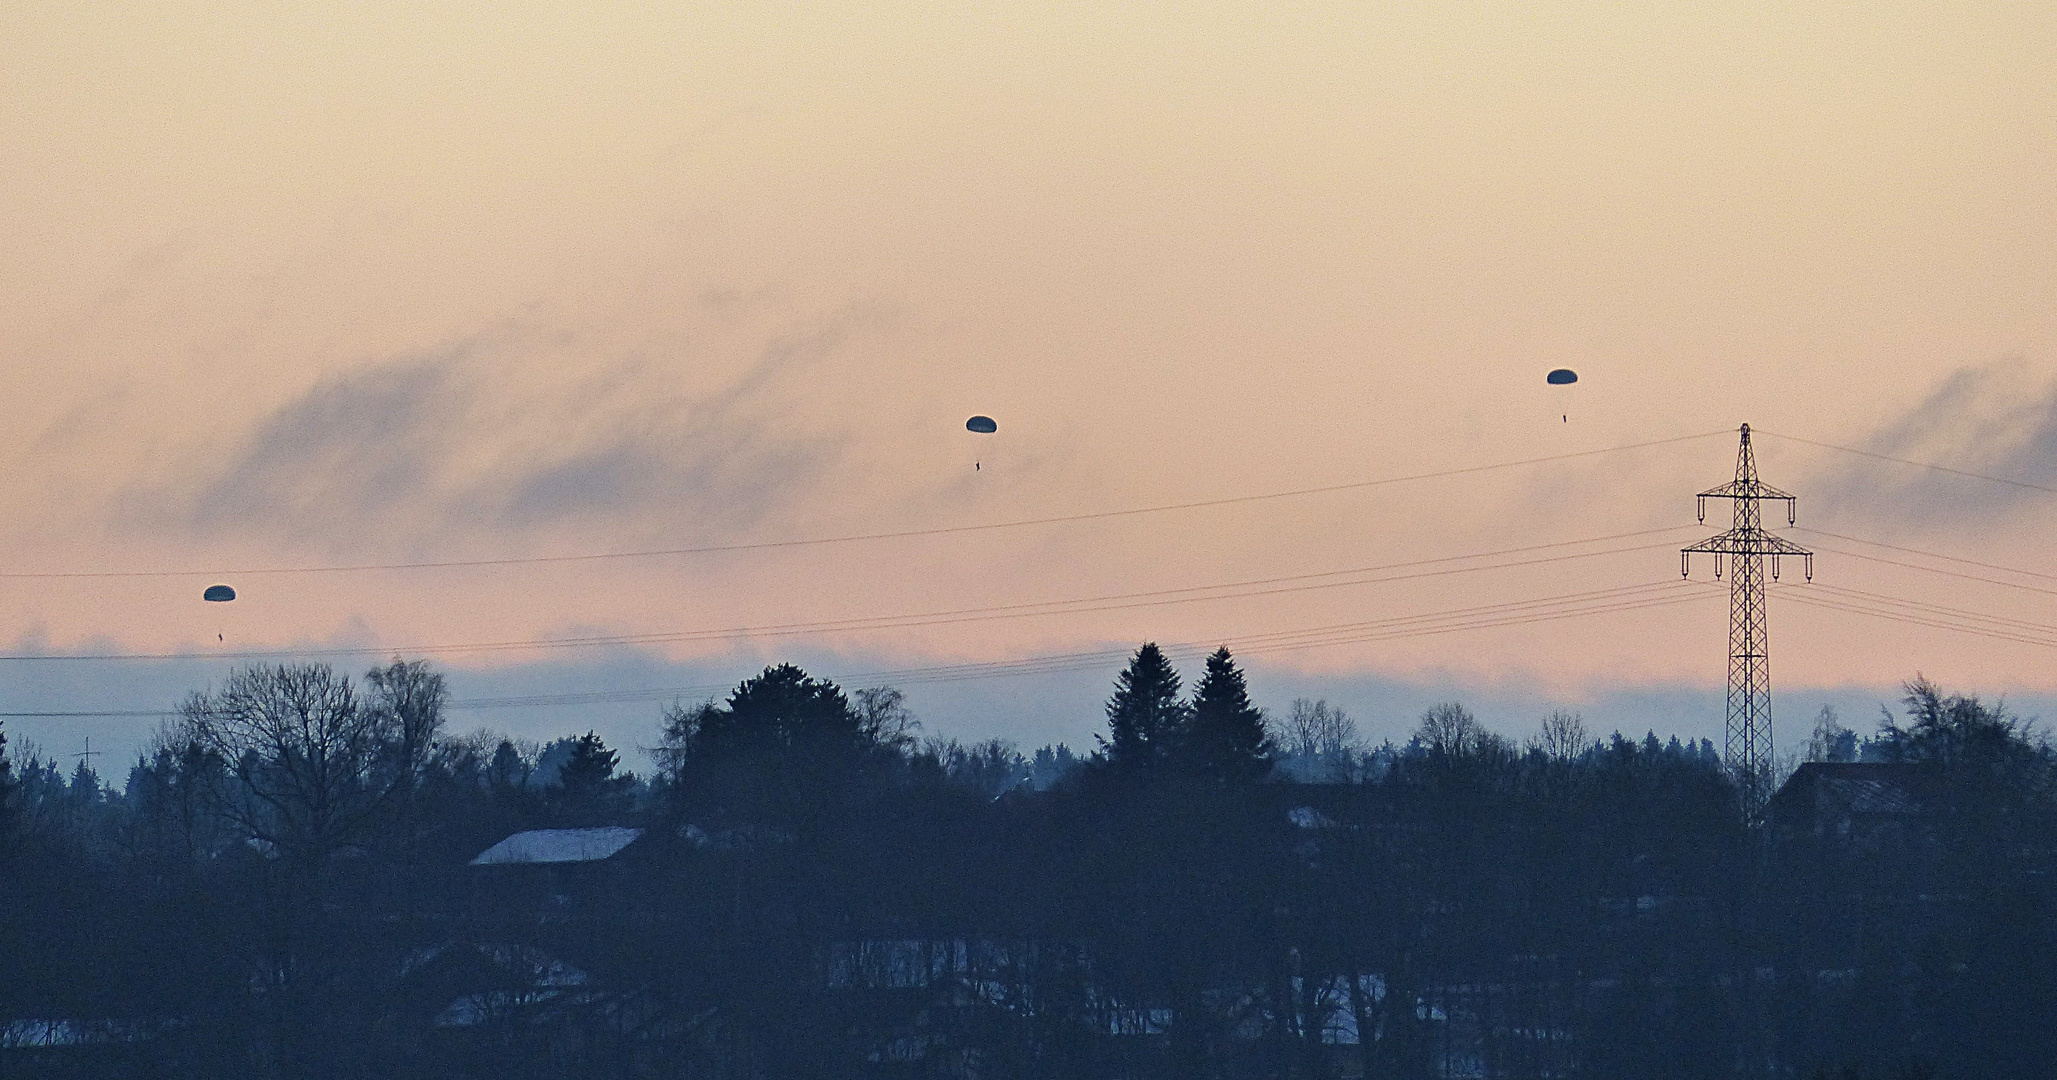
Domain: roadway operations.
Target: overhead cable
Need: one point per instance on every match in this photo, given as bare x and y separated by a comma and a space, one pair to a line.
1917, 464
1915, 613
1512, 613
1083, 605
900, 534
1927, 554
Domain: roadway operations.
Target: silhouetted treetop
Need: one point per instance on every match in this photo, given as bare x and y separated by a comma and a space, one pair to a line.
586, 790
409, 697
785, 746
1950, 729
1448, 731
1144, 717
1225, 736
782, 707
8, 785
309, 763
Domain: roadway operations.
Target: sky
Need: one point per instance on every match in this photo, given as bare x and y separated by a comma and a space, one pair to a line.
298, 287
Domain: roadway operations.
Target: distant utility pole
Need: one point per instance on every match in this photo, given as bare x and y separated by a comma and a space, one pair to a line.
1748, 750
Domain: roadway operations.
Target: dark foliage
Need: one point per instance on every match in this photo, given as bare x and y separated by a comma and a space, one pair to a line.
1225, 737
1145, 718
8, 784
809, 892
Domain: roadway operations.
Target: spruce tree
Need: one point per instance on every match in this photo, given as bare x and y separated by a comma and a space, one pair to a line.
7, 786
85, 784
1226, 738
587, 789
1145, 718
589, 768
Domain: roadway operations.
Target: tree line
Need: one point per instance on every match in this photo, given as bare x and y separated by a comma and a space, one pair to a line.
283, 886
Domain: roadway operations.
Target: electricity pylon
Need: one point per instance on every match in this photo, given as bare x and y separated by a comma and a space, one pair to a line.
1748, 750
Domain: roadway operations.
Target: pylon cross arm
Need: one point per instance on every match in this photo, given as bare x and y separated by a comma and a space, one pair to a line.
1747, 542
1747, 489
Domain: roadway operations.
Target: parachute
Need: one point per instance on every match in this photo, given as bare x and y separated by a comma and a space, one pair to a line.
1563, 376
980, 425
218, 594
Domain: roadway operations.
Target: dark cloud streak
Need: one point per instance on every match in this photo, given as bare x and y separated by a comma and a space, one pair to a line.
1999, 420
470, 439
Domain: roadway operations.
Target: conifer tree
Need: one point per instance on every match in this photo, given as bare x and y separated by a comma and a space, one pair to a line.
785, 748
1225, 737
85, 784
507, 773
587, 787
8, 784
589, 767
1145, 718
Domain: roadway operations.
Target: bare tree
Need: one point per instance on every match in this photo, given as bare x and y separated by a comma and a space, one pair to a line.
309, 765
991, 768
679, 727
886, 719
1319, 739
1449, 730
407, 697
1318, 729
1831, 741
1563, 736
410, 697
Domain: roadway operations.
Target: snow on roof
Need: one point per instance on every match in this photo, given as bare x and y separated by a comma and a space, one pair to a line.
557, 845
1307, 817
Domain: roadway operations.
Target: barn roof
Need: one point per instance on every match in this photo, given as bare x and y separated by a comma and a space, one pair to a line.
558, 846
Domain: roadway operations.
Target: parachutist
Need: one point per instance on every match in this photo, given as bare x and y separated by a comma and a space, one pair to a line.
1562, 377
981, 425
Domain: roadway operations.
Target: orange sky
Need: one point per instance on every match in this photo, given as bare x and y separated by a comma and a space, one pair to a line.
290, 286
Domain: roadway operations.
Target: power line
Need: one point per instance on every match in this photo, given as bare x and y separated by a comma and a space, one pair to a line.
1927, 554
1897, 610
1519, 619
1481, 617
854, 537
1945, 573
1927, 608
102, 714
1489, 616
1082, 605
1916, 464
1997, 635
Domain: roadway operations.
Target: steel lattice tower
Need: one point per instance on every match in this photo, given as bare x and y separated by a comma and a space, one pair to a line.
1746, 543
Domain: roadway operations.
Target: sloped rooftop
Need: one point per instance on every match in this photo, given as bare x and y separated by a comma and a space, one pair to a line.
558, 846
1819, 792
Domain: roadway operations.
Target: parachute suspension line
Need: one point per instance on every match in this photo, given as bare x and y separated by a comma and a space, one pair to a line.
1562, 377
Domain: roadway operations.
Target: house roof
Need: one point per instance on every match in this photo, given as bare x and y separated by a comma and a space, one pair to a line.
558, 846
1856, 788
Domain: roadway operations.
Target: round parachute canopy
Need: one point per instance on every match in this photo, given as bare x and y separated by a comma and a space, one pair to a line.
984, 425
218, 594
1563, 376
